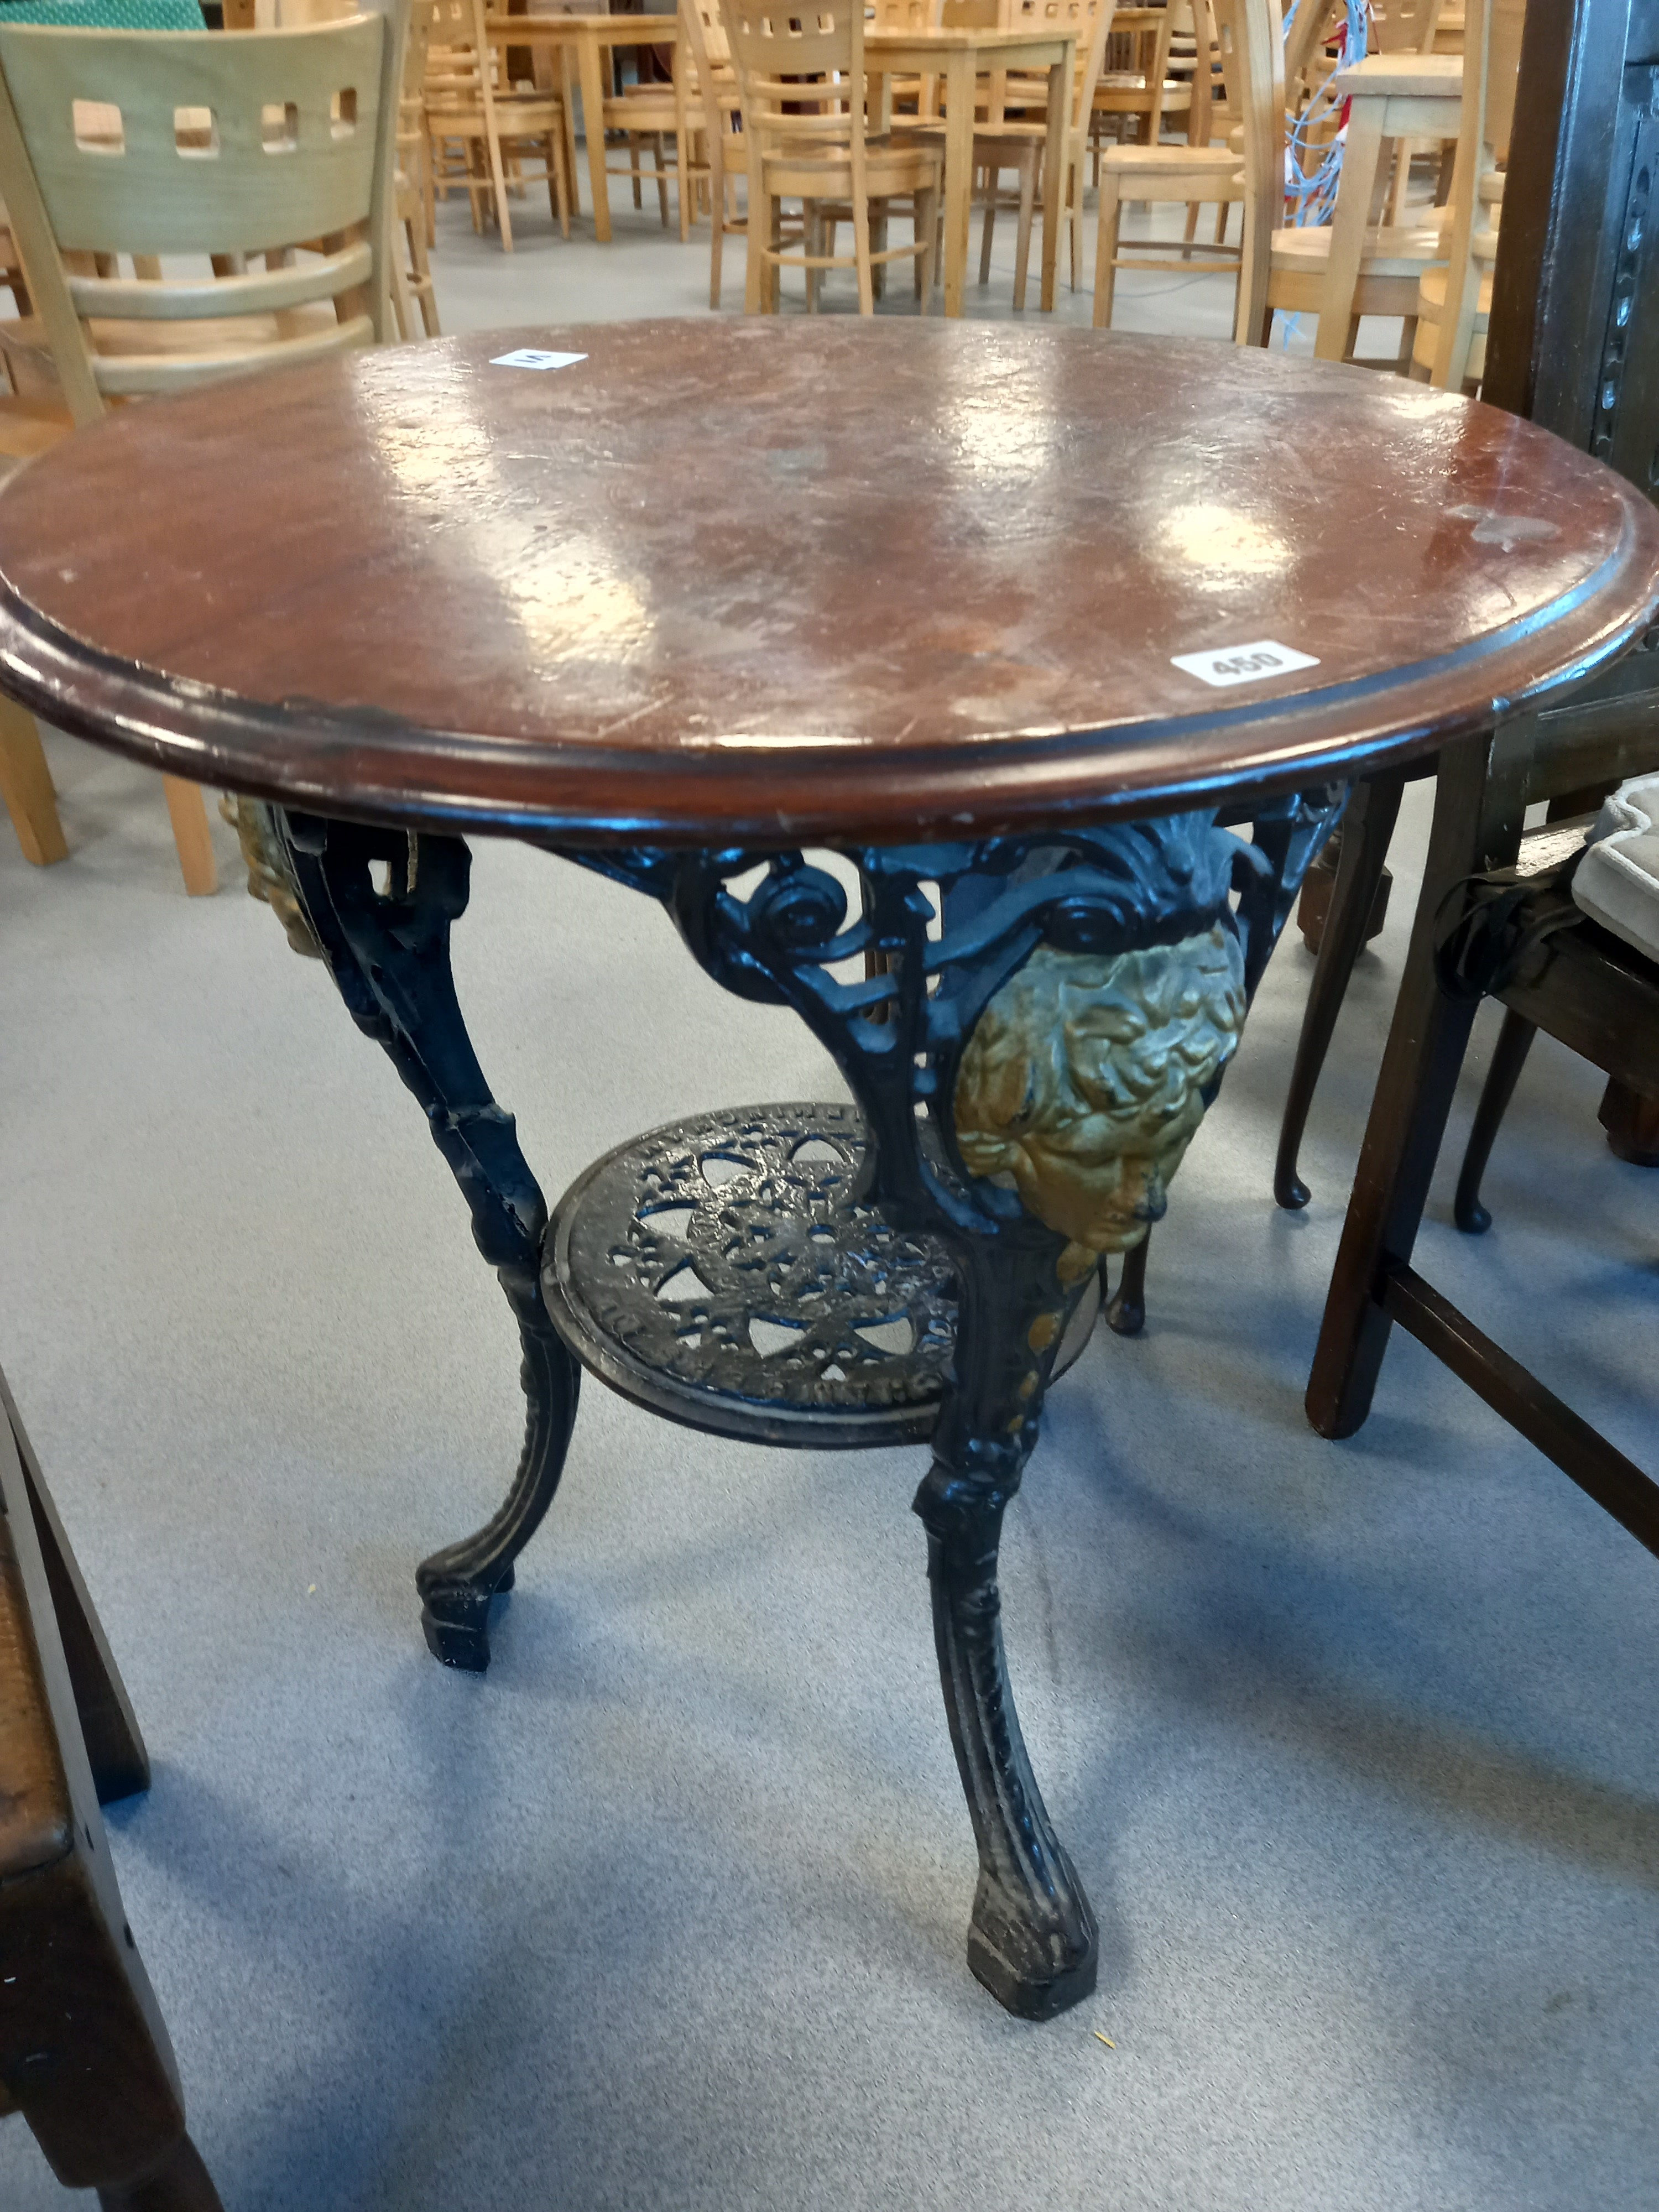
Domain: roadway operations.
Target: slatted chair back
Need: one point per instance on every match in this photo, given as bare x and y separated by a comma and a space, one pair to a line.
1092, 21
1454, 299
802, 78
1405, 27
149, 144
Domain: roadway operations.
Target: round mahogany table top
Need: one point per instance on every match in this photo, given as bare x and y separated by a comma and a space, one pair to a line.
768, 581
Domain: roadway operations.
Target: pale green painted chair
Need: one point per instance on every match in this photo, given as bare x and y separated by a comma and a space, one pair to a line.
264, 158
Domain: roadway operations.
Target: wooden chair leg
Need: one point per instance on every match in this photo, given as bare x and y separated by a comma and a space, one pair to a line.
662, 176
1028, 177
1367, 826
1632, 1122
180, 2184
811, 243
26, 787
1477, 817
861, 257
927, 227
191, 835
1509, 1058
1106, 234
109, 1727
84, 2054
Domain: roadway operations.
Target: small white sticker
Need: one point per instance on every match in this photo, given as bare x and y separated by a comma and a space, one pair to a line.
533, 357
1243, 664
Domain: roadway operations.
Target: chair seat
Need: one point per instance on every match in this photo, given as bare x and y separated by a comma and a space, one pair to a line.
1402, 76
650, 108
1388, 251
517, 115
222, 344
891, 171
1210, 164
1617, 882
1118, 86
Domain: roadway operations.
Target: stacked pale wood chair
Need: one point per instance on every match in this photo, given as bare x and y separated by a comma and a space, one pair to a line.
1139, 89
201, 176
1021, 125
805, 97
1358, 264
1197, 174
643, 113
1454, 299
712, 91
413, 288
483, 132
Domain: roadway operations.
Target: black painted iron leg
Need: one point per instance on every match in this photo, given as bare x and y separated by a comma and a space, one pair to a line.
1125, 1311
387, 947
1032, 1939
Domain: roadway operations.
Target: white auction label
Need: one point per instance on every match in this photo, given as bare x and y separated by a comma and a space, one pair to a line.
1243, 664
533, 357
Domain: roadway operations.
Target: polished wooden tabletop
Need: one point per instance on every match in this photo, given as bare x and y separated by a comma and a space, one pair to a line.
787, 579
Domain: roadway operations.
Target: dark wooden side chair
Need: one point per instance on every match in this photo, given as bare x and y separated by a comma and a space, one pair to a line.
1489, 922
84, 2055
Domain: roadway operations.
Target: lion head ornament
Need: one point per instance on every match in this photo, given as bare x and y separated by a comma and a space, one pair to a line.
1086, 1077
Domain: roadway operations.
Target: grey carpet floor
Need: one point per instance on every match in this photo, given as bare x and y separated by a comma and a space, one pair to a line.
1356, 1746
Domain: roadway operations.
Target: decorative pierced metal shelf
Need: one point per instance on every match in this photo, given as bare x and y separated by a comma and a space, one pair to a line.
722, 1271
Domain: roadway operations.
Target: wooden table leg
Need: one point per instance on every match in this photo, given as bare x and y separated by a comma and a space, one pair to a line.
565, 78
1477, 817
1054, 177
587, 55
959, 81
26, 787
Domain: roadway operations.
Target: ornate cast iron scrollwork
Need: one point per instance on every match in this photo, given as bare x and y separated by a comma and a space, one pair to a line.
387, 948
1059, 1106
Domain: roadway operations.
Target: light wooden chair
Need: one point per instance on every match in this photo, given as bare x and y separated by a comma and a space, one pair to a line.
1136, 86
412, 275
1450, 345
1195, 174
656, 112
805, 95
712, 86
1006, 140
478, 126
139, 145
1356, 265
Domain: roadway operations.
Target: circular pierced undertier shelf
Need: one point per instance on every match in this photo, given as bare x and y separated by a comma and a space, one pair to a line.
720, 1272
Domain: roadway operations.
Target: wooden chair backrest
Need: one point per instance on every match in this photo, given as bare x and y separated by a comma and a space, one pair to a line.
1253, 33
801, 75
1492, 65
1405, 27
1091, 19
903, 14
148, 143
456, 52
713, 76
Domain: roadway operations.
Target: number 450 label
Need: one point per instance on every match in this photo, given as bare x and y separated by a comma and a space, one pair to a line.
1243, 664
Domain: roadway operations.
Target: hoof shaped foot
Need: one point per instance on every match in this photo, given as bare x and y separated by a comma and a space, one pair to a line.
1125, 1315
1034, 1973
456, 1625
1291, 1192
1471, 1218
